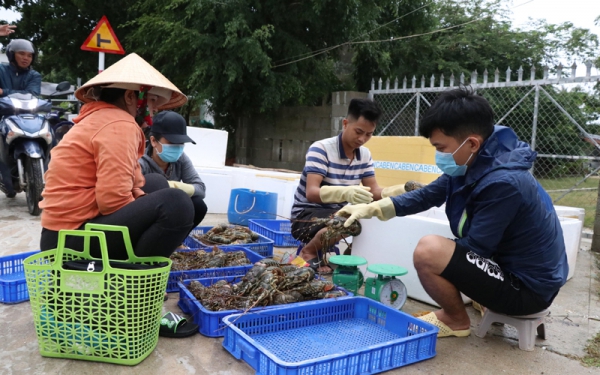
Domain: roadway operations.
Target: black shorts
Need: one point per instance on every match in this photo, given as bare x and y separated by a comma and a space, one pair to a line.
484, 281
303, 229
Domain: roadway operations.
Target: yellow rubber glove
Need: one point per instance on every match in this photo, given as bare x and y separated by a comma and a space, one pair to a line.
187, 188
392, 191
351, 194
382, 209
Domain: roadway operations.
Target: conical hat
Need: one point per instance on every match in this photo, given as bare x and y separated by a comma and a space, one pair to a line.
131, 72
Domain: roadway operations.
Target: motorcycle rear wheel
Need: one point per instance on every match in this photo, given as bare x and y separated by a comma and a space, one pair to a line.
35, 185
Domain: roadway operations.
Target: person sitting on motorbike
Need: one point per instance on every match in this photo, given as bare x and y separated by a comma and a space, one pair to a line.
17, 76
94, 175
164, 155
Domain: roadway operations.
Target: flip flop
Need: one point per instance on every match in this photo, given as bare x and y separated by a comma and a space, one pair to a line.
176, 326
315, 263
478, 307
444, 330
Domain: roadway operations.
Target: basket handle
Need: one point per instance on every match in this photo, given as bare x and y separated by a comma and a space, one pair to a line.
115, 228
246, 211
62, 235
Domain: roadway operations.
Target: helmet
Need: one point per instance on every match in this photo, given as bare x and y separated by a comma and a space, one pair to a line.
16, 45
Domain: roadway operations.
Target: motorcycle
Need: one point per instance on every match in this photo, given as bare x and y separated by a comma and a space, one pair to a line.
59, 123
26, 138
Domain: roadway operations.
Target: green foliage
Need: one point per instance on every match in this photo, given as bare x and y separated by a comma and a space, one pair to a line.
478, 35
233, 52
59, 27
248, 57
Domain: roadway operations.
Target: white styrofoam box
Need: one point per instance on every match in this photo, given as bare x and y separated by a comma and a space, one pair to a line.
210, 148
394, 241
284, 184
572, 212
572, 235
218, 189
285, 190
438, 213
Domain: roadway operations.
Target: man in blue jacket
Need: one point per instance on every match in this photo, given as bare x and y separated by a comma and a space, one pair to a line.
509, 252
17, 76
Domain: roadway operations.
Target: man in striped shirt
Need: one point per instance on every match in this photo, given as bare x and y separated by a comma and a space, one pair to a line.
332, 176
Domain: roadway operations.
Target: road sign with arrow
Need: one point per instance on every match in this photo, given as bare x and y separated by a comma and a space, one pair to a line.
103, 39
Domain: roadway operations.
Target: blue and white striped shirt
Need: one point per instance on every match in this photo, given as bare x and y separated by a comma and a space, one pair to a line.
328, 159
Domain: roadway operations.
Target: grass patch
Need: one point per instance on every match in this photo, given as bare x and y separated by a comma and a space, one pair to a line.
592, 357
582, 199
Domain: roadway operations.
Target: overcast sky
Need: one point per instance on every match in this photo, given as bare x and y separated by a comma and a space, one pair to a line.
581, 12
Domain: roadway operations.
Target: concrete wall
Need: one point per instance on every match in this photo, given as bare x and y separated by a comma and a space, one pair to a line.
281, 139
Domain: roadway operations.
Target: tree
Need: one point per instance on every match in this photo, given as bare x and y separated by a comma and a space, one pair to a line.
247, 57
478, 34
240, 54
59, 27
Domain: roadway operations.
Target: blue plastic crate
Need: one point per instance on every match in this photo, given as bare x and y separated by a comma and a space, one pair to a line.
280, 231
211, 322
345, 336
177, 276
13, 286
191, 243
263, 247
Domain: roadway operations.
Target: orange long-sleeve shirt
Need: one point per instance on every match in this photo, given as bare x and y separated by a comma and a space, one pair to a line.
94, 170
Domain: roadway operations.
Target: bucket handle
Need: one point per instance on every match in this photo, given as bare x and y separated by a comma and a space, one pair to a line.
243, 212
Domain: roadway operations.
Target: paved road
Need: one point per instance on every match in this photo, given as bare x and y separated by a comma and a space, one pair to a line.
575, 319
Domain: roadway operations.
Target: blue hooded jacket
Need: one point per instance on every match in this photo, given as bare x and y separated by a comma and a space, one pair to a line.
499, 211
16, 80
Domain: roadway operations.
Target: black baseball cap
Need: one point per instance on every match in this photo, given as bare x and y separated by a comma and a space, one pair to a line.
172, 126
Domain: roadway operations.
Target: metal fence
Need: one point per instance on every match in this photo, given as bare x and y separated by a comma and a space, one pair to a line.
550, 114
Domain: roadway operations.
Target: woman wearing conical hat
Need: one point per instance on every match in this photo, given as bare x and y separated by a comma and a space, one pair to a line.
94, 175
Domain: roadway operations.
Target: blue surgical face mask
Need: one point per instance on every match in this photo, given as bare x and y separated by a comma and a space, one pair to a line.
445, 161
170, 153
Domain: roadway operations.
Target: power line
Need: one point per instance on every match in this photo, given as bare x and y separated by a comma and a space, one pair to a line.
367, 33
393, 39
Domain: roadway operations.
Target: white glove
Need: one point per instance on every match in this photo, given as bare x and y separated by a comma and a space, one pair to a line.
392, 191
187, 188
382, 209
351, 194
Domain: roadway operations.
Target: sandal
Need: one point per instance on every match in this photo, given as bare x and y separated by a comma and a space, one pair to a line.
176, 326
444, 330
478, 307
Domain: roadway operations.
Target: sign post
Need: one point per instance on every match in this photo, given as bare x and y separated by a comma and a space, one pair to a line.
103, 40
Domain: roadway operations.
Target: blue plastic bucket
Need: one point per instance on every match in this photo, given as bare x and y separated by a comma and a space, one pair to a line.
246, 204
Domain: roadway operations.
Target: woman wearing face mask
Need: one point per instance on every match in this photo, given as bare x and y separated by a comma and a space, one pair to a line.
165, 156
94, 175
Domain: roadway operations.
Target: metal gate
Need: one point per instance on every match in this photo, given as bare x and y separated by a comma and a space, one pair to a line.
556, 116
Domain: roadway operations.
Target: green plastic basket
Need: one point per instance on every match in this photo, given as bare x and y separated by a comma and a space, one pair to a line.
108, 316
